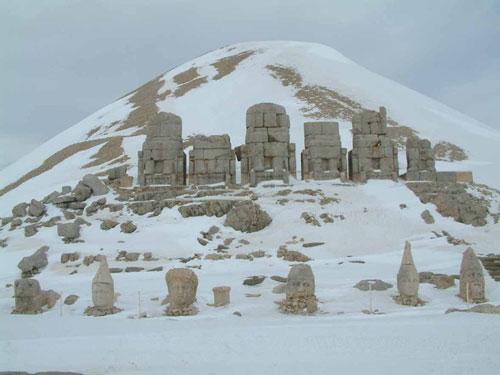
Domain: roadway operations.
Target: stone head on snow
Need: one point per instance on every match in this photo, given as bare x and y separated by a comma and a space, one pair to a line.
182, 284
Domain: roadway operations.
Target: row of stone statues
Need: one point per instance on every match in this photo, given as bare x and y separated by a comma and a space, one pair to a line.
268, 153
182, 284
472, 284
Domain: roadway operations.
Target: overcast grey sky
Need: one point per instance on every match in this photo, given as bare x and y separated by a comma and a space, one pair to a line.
61, 60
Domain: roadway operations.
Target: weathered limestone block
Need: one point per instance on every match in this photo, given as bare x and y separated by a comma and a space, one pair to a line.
69, 231
247, 217
103, 291
472, 288
182, 284
374, 155
36, 208
408, 280
267, 153
300, 289
80, 193
212, 160
323, 156
95, 184
464, 177
31, 299
420, 160
221, 295
162, 160
33, 264
20, 210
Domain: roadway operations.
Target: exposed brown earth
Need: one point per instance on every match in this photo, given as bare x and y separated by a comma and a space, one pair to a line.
52, 161
112, 149
449, 152
228, 64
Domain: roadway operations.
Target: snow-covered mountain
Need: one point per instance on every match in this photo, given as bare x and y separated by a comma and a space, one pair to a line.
212, 92
348, 232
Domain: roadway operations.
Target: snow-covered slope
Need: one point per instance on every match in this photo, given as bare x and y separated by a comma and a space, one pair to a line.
212, 92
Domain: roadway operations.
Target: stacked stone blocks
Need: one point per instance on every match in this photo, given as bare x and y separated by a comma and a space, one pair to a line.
162, 160
420, 158
323, 157
267, 153
212, 160
374, 155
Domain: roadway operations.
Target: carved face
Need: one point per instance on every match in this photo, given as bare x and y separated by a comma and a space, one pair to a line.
300, 282
103, 295
182, 284
26, 288
408, 281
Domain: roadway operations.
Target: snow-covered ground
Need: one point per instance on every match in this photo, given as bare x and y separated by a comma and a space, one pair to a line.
339, 338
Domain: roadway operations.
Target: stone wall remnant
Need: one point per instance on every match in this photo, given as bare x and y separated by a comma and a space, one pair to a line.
300, 289
421, 165
374, 155
212, 160
162, 160
267, 153
182, 284
408, 280
323, 157
472, 288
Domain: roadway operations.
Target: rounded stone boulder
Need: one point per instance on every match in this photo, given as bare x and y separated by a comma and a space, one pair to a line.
247, 217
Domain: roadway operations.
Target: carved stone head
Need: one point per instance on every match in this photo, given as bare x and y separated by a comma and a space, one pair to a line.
300, 282
27, 292
182, 284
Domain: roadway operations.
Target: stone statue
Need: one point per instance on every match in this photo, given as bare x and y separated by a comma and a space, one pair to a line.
300, 288
103, 291
267, 153
323, 158
471, 278
31, 299
182, 284
408, 280
374, 155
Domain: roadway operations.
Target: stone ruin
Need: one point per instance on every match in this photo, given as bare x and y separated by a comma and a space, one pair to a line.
162, 160
212, 161
408, 280
300, 288
374, 155
267, 153
221, 296
103, 291
471, 278
182, 284
323, 157
31, 299
420, 159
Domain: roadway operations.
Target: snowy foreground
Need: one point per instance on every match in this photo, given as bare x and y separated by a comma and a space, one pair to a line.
340, 338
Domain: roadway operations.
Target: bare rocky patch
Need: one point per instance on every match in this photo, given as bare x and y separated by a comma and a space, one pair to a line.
228, 64
447, 151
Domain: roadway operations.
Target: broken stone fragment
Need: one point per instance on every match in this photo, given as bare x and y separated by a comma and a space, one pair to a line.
95, 184
69, 231
253, 280
375, 284
71, 299
128, 227
427, 217
108, 224
30, 230
221, 295
33, 264
247, 217
80, 193
20, 210
70, 257
31, 299
36, 208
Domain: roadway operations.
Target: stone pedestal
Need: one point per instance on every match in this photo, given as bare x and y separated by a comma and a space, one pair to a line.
221, 296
